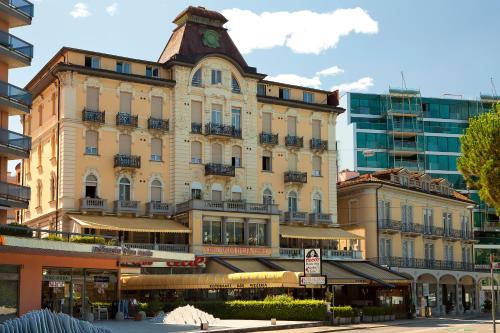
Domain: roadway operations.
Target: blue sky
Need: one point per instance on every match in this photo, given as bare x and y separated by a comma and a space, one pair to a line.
442, 46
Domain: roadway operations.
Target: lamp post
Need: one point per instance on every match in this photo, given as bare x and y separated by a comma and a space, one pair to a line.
493, 302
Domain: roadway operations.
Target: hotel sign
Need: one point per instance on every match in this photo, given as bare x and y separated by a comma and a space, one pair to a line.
237, 250
312, 261
313, 280
121, 251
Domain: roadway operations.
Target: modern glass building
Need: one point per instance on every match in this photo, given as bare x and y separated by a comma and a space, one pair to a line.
404, 129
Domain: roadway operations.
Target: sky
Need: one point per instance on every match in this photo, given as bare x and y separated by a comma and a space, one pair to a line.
441, 46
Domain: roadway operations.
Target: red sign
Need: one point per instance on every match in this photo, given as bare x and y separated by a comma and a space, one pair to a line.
237, 250
197, 262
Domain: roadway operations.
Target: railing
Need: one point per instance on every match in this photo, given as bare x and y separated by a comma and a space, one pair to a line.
424, 263
15, 44
23, 6
127, 161
466, 235
96, 204
14, 93
158, 247
268, 138
222, 130
15, 192
412, 228
15, 140
196, 128
404, 108
406, 127
294, 141
431, 230
452, 233
158, 124
227, 206
126, 119
319, 145
93, 116
215, 169
295, 217
126, 206
322, 218
295, 177
389, 224
325, 253
159, 208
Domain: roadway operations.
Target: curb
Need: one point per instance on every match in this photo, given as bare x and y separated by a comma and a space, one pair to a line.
267, 328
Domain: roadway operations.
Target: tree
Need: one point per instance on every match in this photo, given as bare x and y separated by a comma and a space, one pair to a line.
480, 160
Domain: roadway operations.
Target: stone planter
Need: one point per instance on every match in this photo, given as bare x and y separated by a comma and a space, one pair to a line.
142, 315
335, 321
344, 320
119, 316
356, 320
367, 319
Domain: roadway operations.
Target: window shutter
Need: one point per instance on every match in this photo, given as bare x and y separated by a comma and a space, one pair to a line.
380, 210
93, 98
156, 191
316, 163
292, 162
91, 138
388, 210
237, 151
196, 112
156, 147
125, 144
292, 125
126, 102
157, 107
316, 129
196, 150
267, 153
266, 122
216, 153
216, 195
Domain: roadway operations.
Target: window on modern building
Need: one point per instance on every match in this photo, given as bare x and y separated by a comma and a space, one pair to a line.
91, 186
292, 201
292, 125
54, 104
156, 191
292, 162
267, 158
196, 113
284, 93
217, 113
316, 203
316, 165
122, 67
256, 234
92, 102
212, 232
216, 76
91, 142
217, 153
92, 62
125, 144
195, 152
236, 193
267, 122
52, 187
308, 97
235, 233
316, 129
156, 149
156, 107
40, 115
261, 89
152, 71
196, 191
125, 102
236, 156
236, 118
124, 189
267, 197
406, 214
235, 86
196, 80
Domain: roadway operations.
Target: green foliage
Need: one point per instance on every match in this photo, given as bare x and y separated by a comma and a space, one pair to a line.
56, 238
377, 311
88, 240
480, 160
344, 311
279, 298
15, 229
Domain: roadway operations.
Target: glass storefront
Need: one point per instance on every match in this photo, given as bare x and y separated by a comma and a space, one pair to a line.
9, 291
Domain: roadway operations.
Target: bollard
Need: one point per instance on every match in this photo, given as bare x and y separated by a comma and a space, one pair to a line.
204, 326
273, 321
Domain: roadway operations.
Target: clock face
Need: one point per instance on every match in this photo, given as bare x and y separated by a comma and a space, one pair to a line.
211, 38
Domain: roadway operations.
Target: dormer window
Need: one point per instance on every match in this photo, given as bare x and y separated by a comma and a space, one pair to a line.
216, 76
122, 67
404, 181
235, 86
152, 71
92, 62
196, 81
284, 93
308, 97
425, 186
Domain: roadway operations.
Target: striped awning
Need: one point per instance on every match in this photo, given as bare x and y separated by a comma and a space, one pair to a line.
287, 231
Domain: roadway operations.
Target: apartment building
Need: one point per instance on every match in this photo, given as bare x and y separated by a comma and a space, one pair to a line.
419, 226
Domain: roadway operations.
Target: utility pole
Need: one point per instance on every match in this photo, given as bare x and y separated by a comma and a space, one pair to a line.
493, 302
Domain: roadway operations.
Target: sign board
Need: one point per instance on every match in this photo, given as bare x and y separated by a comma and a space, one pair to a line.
121, 251
237, 250
62, 278
313, 280
56, 284
312, 261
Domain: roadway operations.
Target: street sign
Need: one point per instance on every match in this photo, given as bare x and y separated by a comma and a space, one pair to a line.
313, 280
312, 261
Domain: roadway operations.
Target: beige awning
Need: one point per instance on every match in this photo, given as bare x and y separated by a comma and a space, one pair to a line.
287, 231
136, 224
374, 271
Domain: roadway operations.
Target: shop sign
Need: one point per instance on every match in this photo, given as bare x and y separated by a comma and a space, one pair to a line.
237, 285
56, 284
60, 278
237, 250
121, 251
312, 261
197, 262
313, 280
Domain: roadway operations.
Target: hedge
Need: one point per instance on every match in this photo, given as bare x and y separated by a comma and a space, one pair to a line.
88, 240
377, 311
15, 229
345, 311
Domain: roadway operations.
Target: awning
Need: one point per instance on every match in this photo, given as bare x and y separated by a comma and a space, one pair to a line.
136, 224
211, 281
287, 231
247, 265
372, 271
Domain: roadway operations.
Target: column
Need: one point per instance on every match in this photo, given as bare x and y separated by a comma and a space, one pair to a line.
458, 299
439, 299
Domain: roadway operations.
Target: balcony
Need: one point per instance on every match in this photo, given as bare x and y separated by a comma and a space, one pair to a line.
320, 218
126, 206
126, 119
222, 130
215, 169
159, 208
158, 247
15, 51
297, 253
196, 128
158, 124
14, 196
16, 12
412, 229
404, 109
127, 161
433, 232
295, 217
294, 141
389, 226
268, 139
452, 234
93, 205
227, 206
401, 262
93, 116
319, 145
296, 177
14, 100
14, 145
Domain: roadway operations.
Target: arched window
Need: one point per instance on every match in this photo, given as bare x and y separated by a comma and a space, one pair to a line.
91, 186
124, 189
235, 86
267, 197
91, 139
236, 156
292, 201
196, 81
316, 203
156, 191
195, 152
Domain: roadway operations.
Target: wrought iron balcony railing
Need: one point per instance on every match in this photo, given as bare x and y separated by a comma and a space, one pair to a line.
93, 116
402, 262
452, 233
320, 218
15, 192
222, 130
16, 45
15, 94
268, 138
319, 145
294, 141
126, 119
127, 161
196, 128
158, 124
227, 206
295, 217
216, 169
431, 230
388, 224
15, 141
412, 228
295, 177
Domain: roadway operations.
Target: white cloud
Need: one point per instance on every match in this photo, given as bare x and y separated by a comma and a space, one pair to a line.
80, 10
112, 9
334, 70
302, 31
313, 82
360, 85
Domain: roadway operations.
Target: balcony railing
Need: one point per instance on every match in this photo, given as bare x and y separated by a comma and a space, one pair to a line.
452, 233
196, 128
294, 141
215, 169
126, 119
295, 177
268, 138
127, 161
411, 165
406, 127
15, 192
319, 145
15, 94
424, 263
295, 217
158, 124
320, 218
227, 206
16, 45
222, 130
93, 116
93, 204
23, 6
431, 230
159, 208
294, 253
388, 224
158, 247
126, 206
412, 228
15, 141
